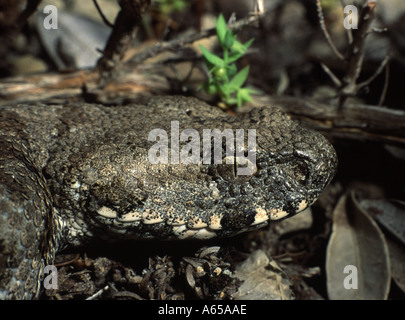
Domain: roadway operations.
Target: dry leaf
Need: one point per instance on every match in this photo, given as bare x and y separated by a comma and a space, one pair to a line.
358, 247
397, 256
262, 279
389, 213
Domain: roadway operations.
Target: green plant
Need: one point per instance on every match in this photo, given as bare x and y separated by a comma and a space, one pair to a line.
168, 6
225, 79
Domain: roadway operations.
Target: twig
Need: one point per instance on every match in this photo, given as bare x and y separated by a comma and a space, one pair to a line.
64, 263
331, 75
100, 12
30, 8
11, 29
385, 88
376, 73
127, 294
356, 51
325, 31
355, 56
98, 293
379, 30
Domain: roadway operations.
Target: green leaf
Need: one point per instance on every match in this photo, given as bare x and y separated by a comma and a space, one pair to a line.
212, 58
234, 56
232, 70
231, 101
179, 5
248, 44
238, 47
221, 69
221, 28
224, 92
238, 50
243, 96
229, 40
249, 91
209, 87
240, 78
239, 101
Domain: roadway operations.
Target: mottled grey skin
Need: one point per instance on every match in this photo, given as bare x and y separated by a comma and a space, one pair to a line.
72, 173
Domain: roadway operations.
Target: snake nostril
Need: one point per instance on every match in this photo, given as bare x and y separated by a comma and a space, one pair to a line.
300, 172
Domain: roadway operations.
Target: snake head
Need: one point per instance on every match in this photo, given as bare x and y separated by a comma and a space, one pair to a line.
293, 166
115, 190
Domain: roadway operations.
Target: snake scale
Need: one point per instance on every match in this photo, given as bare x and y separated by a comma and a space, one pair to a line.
76, 172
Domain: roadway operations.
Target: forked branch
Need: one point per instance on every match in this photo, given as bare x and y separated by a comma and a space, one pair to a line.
348, 86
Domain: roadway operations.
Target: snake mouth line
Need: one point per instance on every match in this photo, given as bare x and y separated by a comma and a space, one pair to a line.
195, 228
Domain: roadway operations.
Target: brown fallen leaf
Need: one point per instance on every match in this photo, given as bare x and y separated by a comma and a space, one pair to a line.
389, 213
357, 261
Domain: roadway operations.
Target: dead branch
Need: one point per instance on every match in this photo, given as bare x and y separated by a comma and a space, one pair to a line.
80, 85
348, 86
356, 51
352, 121
126, 24
30, 8
385, 88
325, 31
331, 75
376, 73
